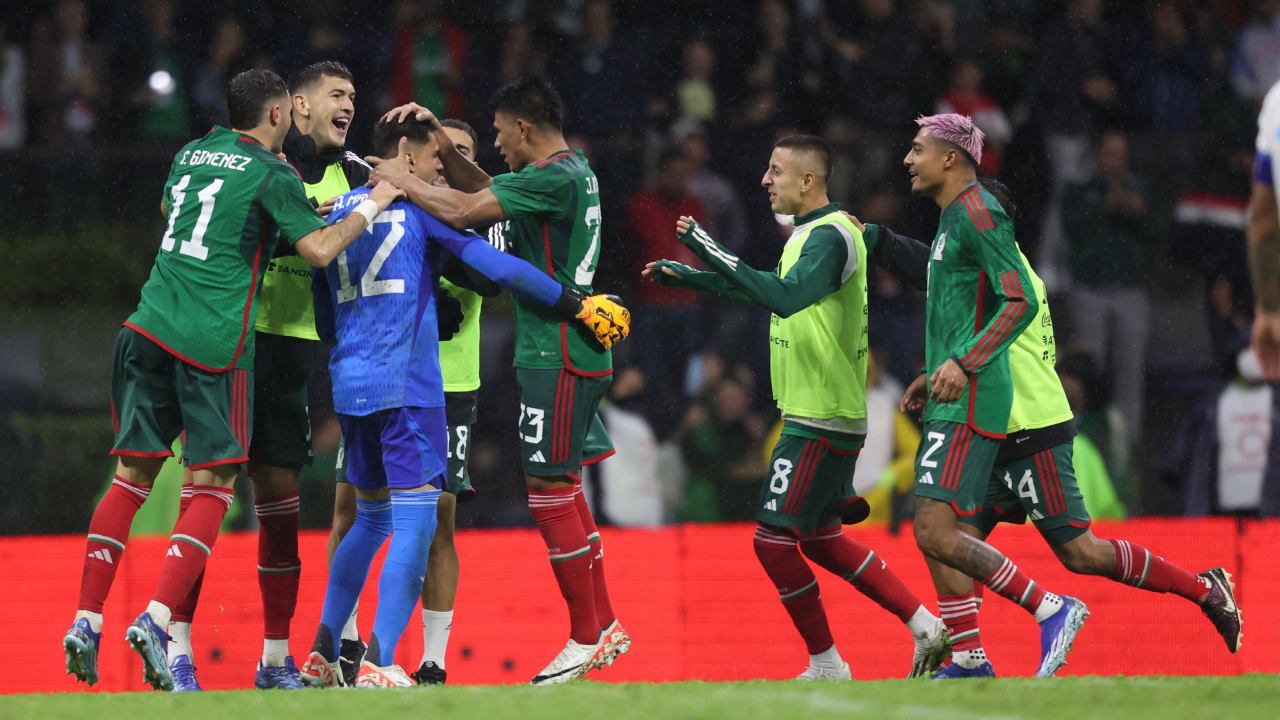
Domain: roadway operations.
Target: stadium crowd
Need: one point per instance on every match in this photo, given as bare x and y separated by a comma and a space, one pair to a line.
1125, 130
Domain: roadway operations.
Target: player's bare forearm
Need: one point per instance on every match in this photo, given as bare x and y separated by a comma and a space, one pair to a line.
461, 173
1263, 234
455, 208
321, 247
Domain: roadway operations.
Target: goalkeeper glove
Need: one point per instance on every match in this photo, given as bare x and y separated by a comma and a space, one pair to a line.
604, 315
448, 314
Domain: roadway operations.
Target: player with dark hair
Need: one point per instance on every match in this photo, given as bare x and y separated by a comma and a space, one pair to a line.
818, 370
980, 300
1034, 477
184, 360
377, 304
551, 200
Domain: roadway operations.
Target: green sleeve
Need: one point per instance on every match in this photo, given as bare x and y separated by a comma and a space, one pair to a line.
815, 274
533, 192
702, 281
996, 253
285, 200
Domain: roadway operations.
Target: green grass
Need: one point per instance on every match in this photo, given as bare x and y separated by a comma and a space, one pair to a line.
1219, 698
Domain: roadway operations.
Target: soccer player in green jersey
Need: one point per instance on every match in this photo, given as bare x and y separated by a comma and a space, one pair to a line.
323, 107
1035, 477
980, 299
184, 359
818, 370
551, 199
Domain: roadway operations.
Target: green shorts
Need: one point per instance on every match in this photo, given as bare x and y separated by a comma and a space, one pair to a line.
460, 413
282, 367
155, 397
954, 465
1040, 486
559, 428
811, 475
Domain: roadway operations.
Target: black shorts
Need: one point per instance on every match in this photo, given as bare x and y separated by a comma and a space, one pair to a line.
281, 428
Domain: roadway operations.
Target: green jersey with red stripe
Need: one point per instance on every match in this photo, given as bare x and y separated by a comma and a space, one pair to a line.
554, 211
980, 299
229, 200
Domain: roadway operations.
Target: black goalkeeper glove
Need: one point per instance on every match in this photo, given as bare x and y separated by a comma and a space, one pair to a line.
448, 314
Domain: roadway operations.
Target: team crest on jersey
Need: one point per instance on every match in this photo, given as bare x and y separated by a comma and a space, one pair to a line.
938, 246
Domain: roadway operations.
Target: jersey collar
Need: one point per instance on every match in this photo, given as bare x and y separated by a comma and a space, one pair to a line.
812, 215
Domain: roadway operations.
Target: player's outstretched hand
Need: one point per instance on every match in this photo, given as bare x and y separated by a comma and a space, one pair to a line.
948, 382
607, 319
394, 169
856, 222
384, 193
1266, 344
666, 272
684, 224
423, 115
327, 206
914, 398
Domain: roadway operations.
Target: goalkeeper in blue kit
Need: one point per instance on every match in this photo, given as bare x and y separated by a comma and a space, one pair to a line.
376, 304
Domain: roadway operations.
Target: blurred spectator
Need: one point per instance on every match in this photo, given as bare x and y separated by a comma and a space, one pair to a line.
723, 214
1256, 65
225, 58
630, 487
1107, 230
966, 96
1090, 467
1073, 94
696, 91
152, 75
66, 75
723, 445
13, 117
428, 57
1166, 73
669, 324
600, 79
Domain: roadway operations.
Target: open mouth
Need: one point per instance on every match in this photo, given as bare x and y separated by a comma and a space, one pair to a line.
341, 124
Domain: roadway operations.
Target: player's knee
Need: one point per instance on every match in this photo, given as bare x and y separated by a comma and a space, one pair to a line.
1083, 557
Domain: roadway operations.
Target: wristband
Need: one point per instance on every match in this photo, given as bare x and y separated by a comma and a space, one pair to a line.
570, 303
367, 209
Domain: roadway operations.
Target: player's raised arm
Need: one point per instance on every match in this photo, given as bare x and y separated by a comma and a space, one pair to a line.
905, 257
456, 208
321, 246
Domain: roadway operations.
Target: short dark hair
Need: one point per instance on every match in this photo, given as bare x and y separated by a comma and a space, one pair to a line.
386, 136
465, 127
533, 100
310, 74
1002, 194
248, 94
812, 144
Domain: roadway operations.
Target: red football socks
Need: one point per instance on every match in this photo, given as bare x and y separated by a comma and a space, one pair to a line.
1011, 583
556, 514
279, 568
960, 614
604, 609
859, 565
191, 543
108, 534
186, 610
1138, 567
796, 585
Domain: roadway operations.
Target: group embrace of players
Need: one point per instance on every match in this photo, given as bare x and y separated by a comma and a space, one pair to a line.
220, 355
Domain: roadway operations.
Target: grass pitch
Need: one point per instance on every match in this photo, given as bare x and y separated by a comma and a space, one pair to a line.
1186, 698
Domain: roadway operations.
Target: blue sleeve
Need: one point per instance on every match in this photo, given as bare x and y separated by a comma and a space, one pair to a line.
1262, 169
511, 273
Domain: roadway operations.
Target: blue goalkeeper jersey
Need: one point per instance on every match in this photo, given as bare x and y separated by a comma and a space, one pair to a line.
376, 304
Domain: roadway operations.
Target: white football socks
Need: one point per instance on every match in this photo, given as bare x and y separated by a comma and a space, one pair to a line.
350, 631
435, 635
180, 640
274, 652
827, 658
160, 613
921, 622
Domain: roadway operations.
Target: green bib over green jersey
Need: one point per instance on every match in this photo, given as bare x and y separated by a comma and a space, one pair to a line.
287, 306
818, 356
1038, 398
980, 299
460, 355
554, 210
229, 198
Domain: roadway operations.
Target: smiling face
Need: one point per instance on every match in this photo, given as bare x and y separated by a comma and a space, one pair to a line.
927, 162
329, 106
785, 181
